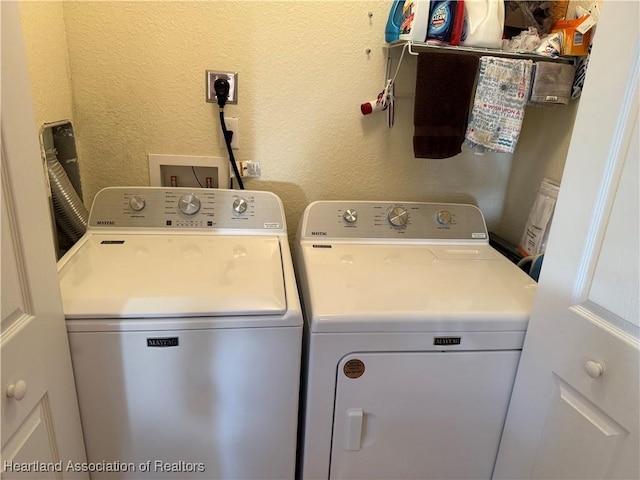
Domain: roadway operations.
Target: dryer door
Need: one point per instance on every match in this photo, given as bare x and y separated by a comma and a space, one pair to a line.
428, 415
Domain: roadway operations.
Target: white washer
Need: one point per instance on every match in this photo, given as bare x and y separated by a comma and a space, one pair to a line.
413, 332
185, 329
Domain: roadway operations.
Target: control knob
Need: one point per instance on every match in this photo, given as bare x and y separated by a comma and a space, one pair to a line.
189, 204
240, 205
137, 203
443, 217
350, 215
397, 216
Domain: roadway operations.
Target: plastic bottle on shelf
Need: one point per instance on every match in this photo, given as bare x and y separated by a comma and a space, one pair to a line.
392, 30
415, 19
483, 23
445, 21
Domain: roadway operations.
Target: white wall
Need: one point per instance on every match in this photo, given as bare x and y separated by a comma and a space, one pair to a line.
137, 75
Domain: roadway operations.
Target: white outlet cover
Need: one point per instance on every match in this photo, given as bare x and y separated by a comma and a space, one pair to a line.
232, 124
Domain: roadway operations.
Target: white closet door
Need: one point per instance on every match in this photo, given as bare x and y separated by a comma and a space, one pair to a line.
576, 400
40, 419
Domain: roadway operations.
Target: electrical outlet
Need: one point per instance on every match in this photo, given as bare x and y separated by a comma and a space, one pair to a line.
249, 168
232, 126
232, 78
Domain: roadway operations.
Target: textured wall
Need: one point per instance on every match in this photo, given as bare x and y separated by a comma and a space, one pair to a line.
541, 153
138, 79
137, 71
48, 60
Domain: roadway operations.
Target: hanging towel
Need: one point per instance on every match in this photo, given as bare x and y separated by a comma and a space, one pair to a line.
552, 83
444, 85
498, 108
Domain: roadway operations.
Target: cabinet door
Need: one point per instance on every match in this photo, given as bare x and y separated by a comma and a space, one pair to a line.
40, 419
432, 415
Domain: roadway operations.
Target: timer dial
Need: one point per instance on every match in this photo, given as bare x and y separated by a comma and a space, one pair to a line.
137, 203
189, 204
397, 216
443, 217
240, 205
350, 215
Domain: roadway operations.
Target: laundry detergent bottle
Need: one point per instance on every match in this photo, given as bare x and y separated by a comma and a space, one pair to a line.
415, 19
392, 30
483, 23
445, 21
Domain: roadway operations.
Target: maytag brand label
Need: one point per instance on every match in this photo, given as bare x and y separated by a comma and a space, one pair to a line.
163, 342
447, 340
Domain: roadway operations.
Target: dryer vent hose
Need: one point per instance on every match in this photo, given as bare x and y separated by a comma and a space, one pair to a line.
71, 214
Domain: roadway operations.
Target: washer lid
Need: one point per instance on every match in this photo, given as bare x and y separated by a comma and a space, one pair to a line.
129, 276
405, 288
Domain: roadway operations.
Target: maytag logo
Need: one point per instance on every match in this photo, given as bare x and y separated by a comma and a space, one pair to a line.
320, 234
106, 222
447, 340
162, 342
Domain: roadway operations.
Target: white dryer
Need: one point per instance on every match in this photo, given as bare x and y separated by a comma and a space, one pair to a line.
185, 330
413, 332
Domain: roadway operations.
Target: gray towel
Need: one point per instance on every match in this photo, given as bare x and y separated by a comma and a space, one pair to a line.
551, 84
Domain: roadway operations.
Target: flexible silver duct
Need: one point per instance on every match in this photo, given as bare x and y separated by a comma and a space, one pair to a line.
71, 214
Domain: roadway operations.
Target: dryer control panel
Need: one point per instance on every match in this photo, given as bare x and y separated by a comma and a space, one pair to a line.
186, 208
388, 220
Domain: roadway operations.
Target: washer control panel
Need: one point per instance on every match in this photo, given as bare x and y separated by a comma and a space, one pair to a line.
411, 220
186, 208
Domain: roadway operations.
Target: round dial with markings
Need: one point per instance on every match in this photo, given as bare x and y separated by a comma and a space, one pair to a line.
350, 215
397, 216
137, 203
240, 205
443, 217
189, 204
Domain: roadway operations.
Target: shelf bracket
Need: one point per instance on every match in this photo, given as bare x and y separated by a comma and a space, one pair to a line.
414, 48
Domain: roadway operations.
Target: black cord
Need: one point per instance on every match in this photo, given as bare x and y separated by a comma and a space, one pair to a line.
221, 87
227, 141
196, 175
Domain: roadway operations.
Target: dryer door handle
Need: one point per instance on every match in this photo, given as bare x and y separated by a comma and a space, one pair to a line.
353, 428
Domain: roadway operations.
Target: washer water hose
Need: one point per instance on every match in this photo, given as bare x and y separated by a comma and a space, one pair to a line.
71, 214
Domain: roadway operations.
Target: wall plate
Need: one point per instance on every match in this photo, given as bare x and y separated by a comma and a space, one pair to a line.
190, 170
232, 77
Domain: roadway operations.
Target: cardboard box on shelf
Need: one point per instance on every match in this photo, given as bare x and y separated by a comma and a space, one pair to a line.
575, 35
